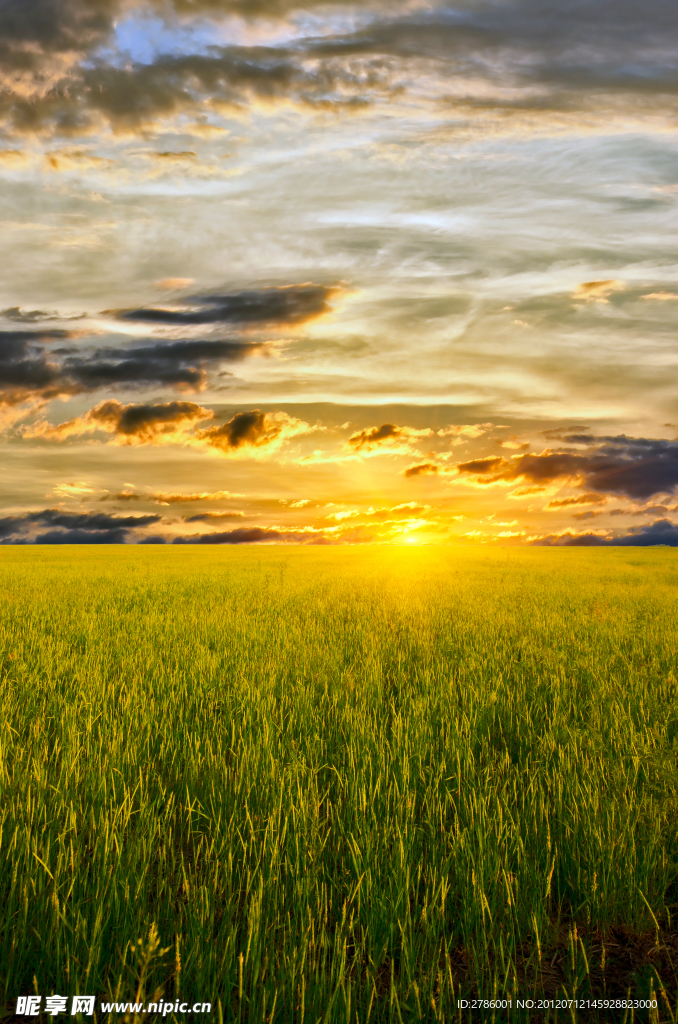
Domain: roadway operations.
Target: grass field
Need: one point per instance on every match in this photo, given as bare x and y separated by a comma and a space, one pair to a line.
340, 785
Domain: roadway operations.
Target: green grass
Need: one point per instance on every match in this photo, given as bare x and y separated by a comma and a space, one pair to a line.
345, 785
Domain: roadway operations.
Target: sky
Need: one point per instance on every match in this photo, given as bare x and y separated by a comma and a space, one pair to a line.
299, 272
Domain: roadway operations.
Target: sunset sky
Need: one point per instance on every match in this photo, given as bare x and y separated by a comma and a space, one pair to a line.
338, 272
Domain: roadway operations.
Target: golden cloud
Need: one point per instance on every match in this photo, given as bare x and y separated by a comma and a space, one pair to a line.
598, 290
131, 424
388, 438
592, 498
423, 469
171, 283
253, 433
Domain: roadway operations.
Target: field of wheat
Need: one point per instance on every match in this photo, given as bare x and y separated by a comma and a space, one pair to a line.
340, 784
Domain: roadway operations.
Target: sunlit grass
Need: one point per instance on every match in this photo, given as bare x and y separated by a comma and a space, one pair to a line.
345, 784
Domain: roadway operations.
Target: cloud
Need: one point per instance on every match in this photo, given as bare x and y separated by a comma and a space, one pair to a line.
526, 492
579, 499
660, 532
30, 370
208, 517
375, 436
25, 367
111, 536
181, 363
168, 498
14, 158
597, 290
480, 467
463, 431
522, 60
661, 296
123, 496
78, 98
250, 432
515, 445
172, 283
633, 467
423, 469
28, 316
406, 509
71, 527
132, 424
388, 436
72, 490
289, 304
251, 535
76, 159
341, 516
561, 433
157, 497
487, 64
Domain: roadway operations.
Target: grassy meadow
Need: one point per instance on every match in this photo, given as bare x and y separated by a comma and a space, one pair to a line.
340, 784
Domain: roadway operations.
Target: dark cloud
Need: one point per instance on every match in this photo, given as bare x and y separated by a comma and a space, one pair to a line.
514, 55
262, 535
27, 316
633, 467
139, 419
112, 536
246, 428
25, 365
262, 8
253, 429
207, 517
565, 49
481, 467
422, 469
374, 436
136, 95
254, 535
29, 369
291, 304
660, 532
158, 362
133, 424
33, 32
70, 527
